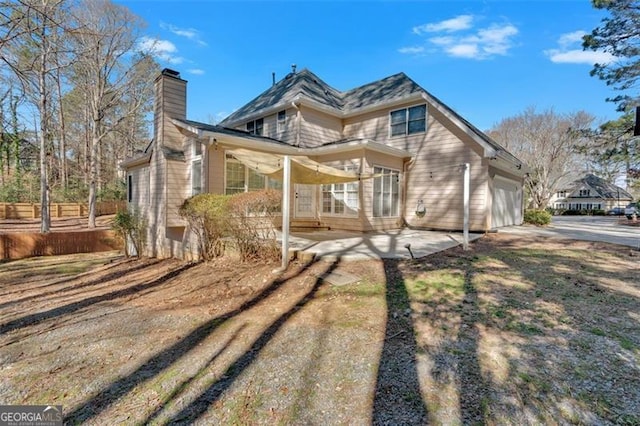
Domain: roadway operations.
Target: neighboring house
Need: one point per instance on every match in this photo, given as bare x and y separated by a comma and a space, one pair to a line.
393, 129
590, 193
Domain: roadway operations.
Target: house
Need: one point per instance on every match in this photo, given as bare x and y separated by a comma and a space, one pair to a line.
590, 193
403, 148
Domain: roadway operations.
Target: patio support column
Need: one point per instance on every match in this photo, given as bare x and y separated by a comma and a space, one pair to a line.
465, 195
286, 201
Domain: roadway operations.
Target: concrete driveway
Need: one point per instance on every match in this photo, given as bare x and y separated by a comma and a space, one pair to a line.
606, 229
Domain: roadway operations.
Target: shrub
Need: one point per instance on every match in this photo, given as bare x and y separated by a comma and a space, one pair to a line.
537, 217
131, 226
251, 223
207, 216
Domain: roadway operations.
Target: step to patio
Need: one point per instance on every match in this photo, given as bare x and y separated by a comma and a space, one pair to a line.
311, 225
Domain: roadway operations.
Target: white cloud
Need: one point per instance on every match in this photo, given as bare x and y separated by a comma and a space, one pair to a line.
463, 50
190, 33
578, 56
483, 43
163, 50
412, 50
196, 71
459, 23
571, 38
569, 53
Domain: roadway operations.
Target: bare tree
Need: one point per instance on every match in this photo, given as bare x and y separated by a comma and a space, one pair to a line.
29, 50
547, 142
107, 71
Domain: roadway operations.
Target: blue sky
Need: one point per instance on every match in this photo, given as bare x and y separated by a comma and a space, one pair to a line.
488, 60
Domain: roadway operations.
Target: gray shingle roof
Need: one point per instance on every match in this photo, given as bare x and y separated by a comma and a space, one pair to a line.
304, 83
604, 188
307, 85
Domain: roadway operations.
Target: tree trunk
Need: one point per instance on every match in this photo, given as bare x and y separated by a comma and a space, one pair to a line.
93, 169
63, 138
45, 222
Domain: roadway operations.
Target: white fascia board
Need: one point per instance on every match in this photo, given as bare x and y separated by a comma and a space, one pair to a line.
136, 161
187, 127
211, 138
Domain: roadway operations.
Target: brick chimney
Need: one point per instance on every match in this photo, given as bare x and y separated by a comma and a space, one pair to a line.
170, 102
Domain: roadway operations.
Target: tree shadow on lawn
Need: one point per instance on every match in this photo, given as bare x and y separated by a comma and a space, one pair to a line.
598, 325
203, 402
164, 359
537, 318
73, 288
398, 398
33, 319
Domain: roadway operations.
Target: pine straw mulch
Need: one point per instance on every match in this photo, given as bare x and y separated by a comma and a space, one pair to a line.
510, 332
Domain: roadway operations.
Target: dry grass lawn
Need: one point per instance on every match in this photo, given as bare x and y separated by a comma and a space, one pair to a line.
510, 332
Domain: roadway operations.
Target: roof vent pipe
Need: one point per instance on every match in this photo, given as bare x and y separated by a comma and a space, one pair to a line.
293, 68
273, 78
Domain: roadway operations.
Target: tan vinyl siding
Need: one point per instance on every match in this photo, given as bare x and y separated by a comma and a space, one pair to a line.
215, 185
177, 184
436, 177
317, 128
172, 96
140, 190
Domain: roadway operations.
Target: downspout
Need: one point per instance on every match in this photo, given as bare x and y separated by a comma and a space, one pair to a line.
297, 108
405, 186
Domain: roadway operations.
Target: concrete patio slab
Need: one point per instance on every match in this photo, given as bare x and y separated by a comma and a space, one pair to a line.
332, 245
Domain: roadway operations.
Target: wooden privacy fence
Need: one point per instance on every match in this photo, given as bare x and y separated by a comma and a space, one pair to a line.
33, 211
27, 244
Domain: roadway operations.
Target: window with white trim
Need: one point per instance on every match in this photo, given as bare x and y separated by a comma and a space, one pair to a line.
196, 168
386, 192
584, 192
239, 178
256, 127
408, 121
282, 120
341, 198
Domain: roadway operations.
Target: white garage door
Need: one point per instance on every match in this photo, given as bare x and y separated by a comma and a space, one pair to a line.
507, 201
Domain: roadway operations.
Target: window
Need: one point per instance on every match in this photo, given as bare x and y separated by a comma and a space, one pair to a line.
196, 168
562, 194
129, 188
584, 192
240, 178
386, 192
408, 121
196, 177
282, 120
256, 127
340, 198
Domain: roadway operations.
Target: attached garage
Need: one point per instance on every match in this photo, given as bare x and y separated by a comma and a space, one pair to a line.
506, 207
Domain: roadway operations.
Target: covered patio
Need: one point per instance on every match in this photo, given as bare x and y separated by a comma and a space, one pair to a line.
333, 244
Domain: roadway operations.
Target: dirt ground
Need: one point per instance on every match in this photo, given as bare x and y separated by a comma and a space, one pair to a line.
510, 332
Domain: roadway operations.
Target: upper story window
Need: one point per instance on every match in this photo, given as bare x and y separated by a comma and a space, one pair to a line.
408, 121
562, 194
256, 127
282, 119
584, 192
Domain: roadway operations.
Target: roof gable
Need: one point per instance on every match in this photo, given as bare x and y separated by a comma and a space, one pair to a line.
602, 188
305, 85
301, 84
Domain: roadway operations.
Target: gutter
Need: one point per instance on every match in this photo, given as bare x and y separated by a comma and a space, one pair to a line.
136, 161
